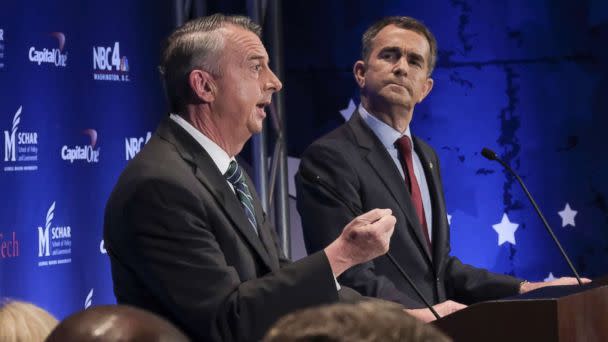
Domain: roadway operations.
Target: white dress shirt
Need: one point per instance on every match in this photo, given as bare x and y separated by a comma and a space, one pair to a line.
218, 155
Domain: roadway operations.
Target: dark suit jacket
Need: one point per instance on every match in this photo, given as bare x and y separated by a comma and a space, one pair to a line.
181, 246
353, 162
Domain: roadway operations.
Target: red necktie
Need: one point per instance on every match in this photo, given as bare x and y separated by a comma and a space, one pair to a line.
405, 148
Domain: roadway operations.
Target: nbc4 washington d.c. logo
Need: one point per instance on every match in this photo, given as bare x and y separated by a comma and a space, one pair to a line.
109, 65
56, 56
20, 147
54, 241
134, 144
83, 153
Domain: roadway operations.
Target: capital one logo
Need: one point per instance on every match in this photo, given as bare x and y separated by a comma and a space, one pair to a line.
134, 144
86, 153
54, 241
54, 56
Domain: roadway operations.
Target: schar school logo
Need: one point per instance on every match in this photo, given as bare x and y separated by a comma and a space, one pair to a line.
134, 144
108, 65
54, 56
9, 246
54, 243
85, 153
20, 148
88, 301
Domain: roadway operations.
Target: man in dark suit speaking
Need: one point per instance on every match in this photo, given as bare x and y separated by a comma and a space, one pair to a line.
373, 160
184, 229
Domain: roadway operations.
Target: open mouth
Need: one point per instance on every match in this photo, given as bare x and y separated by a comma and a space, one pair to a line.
263, 104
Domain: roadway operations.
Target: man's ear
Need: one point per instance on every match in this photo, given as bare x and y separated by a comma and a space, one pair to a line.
428, 85
359, 72
203, 85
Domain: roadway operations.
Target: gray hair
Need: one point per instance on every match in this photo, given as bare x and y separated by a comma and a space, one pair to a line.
195, 45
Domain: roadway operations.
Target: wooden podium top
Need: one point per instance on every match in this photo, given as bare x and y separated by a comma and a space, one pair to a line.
559, 313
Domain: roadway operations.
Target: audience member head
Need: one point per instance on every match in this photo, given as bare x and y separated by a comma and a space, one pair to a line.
21, 321
115, 323
369, 321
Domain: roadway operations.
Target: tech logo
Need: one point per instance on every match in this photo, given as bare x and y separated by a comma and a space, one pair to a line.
134, 144
1, 49
109, 65
20, 148
54, 56
54, 242
9, 245
82, 153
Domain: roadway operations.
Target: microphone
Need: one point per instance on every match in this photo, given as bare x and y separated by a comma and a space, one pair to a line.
491, 155
356, 212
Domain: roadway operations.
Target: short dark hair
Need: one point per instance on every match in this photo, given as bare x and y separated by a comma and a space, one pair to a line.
407, 23
368, 321
196, 44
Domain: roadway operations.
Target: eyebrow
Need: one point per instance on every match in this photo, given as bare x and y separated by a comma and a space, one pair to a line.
395, 49
256, 57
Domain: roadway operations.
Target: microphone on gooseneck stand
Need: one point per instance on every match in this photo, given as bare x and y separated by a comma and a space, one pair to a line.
491, 155
317, 179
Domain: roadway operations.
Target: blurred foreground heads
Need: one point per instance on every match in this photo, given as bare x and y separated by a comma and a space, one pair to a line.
116, 323
21, 321
368, 321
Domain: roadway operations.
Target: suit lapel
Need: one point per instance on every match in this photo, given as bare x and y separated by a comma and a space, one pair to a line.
431, 171
210, 177
382, 163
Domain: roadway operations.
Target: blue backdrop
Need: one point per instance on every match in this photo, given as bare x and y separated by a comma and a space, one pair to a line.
525, 78
79, 91
80, 94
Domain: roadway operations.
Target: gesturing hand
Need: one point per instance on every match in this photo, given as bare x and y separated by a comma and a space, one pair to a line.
364, 238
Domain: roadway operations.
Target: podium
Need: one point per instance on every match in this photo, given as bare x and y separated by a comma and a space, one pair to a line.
560, 313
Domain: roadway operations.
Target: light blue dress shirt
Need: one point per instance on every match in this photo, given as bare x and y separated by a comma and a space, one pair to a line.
388, 135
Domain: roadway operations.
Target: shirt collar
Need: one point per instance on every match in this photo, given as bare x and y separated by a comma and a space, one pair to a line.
387, 134
218, 155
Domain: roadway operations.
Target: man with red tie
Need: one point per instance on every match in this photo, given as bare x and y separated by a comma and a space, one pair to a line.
373, 160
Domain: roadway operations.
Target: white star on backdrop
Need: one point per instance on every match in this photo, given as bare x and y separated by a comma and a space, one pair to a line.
449, 219
506, 230
348, 111
550, 277
567, 216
